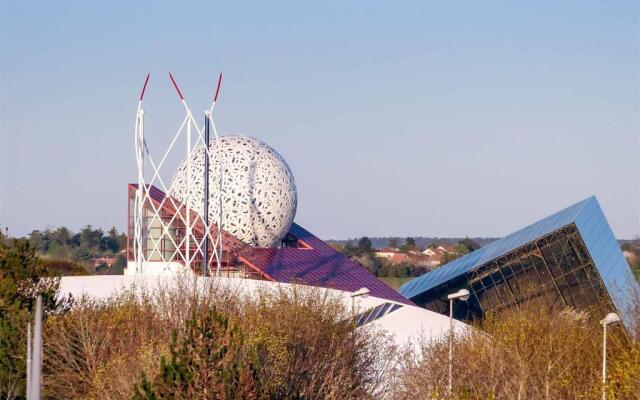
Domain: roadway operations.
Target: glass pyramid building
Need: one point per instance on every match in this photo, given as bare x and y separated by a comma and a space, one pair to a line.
571, 259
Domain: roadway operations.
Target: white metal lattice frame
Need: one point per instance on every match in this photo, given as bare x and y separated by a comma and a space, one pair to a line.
183, 208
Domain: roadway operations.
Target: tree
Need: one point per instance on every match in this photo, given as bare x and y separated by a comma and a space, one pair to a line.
90, 238
459, 250
111, 242
208, 361
470, 244
22, 278
365, 245
393, 242
409, 245
37, 240
61, 235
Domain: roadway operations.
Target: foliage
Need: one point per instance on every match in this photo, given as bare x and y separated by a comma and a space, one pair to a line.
364, 245
463, 247
308, 347
212, 342
527, 353
98, 348
22, 279
410, 244
209, 362
64, 267
61, 243
401, 270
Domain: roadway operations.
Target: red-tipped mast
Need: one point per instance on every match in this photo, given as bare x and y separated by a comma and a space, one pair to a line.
215, 98
144, 87
175, 85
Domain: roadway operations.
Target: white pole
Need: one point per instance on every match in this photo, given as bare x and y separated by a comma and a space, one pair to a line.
450, 346
28, 361
220, 248
604, 361
188, 200
139, 201
37, 351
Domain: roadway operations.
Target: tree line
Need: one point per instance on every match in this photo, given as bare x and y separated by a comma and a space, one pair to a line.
73, 253
364, 252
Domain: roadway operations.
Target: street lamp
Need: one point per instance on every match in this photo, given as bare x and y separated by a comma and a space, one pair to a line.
362, 292
462, 294
611, 318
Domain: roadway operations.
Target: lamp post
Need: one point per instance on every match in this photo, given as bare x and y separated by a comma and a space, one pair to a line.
462, 294
362, 292
611, 318
28, 394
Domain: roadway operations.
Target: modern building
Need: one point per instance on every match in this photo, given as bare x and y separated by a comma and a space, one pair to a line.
227, 217
300, 257
569, 259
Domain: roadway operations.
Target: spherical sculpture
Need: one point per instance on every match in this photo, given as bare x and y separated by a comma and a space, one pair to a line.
258, 191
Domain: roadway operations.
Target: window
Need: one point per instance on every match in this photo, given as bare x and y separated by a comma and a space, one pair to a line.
375, 313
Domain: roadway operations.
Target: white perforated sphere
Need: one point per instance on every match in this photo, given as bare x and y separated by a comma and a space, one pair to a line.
259, 196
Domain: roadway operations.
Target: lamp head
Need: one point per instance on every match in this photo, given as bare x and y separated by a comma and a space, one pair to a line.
462, 294
610, 318
362, 292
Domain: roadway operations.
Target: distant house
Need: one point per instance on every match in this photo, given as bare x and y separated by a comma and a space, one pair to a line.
429, 252
396, 257
436, 254
387, 252
108, 261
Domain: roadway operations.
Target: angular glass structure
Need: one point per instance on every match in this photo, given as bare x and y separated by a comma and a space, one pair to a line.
570, 259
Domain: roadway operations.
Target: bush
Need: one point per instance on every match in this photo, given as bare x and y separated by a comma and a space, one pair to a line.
211, 361
208, 341
308, 347
64, 267
526, 354
22, 279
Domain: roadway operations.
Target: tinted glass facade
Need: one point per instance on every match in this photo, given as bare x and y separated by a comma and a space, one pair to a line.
569, 259
556, 269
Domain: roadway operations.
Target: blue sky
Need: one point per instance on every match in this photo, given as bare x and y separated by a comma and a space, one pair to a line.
397, 118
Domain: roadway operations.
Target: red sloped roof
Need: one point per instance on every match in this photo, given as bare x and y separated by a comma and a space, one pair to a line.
316, 264
319, 265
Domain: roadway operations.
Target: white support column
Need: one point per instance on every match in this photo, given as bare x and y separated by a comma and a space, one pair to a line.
138, 210
188, 200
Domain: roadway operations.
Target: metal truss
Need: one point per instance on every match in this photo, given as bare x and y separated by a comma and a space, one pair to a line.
192, 249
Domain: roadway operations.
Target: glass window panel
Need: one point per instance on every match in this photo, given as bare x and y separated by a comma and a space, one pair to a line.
571, 279
394, 308
516, 291
590, 296
504, 294
568, 296
491, 296
555, 269
476, 287
582, 278
542, 271
364, 316
487, 282
373, 315
579, 298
